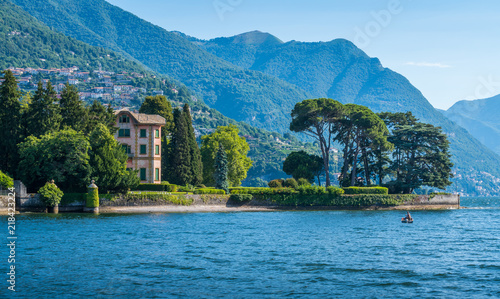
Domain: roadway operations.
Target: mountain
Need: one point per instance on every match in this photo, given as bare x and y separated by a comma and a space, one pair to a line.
24, 41
254, 77
238, 93
481, 118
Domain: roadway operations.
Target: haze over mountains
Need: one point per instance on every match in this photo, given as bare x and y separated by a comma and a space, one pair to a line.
255, 77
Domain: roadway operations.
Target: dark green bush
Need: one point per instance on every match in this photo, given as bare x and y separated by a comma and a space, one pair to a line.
262, 191
291, 183
69, 198
366, 190
209, 191
311, 190
278, 183
150, 187
336, 191
171, 188
303, 182
241, 197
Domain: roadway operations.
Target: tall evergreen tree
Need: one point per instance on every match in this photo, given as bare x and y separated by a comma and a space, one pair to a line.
179, 170
73, 111
100, 114
10, 123
161, 106
196, 164
221, 170
43, 115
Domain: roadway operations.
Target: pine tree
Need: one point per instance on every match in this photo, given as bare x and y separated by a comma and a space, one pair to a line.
221, 170
99, 114
196, 164
43, 115
73, 112
179, 170
10, 123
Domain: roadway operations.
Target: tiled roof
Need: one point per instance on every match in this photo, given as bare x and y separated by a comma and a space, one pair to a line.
144, 119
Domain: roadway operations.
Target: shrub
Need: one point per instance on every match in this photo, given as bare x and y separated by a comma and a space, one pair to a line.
6, 181
310, 190
171, 188
92, 198
291, 183
278, 183
209, 191
241, 197
187, 188
366, 190
150, 187
69, 198
336, 191
303, 182
50, 194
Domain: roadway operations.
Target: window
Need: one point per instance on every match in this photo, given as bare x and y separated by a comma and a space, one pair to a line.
124, 133
127, 148
143, 150
157, 149
124, 119
157, 133
143, 133
143, 174
157, 174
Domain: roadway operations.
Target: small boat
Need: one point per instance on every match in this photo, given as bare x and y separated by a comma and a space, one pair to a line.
406, 220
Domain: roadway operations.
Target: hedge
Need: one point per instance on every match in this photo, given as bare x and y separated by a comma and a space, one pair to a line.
92, 198
209, 191
366, 190
157, 187
262, 190
240, 197
175, 199
69, 198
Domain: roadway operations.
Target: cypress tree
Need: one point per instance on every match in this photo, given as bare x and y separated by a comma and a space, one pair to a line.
10, 123
179, 171
196, 164
97, 113
73, 112
43, 114
221, 170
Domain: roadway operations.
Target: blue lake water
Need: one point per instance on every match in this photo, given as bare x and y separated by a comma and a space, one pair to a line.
453, 253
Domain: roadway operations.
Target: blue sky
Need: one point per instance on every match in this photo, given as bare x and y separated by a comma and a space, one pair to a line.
449, 49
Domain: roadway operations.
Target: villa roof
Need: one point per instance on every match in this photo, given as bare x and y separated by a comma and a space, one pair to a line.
144, 119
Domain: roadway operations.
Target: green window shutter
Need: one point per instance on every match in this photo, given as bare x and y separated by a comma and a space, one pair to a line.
143, 174
143, 150
157, 133
157, 149
143, 133
127, 132
157, 174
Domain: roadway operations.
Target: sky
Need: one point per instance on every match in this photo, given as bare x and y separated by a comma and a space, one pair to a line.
448, 49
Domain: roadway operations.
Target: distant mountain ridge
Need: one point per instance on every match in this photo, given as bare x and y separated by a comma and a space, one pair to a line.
254, 78
481, 118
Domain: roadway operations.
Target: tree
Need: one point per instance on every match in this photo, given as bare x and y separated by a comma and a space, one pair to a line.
159, 105
236, 149
317, 118
361, 132
73, 111
179, 166
303, 165
5, 181
43, 115
196, 164
62, 156
221, 170
421, 156
50, 194
100, 114
10, 123
108, 162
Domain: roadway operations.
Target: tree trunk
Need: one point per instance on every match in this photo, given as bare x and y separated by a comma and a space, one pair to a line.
325, 153
367, 171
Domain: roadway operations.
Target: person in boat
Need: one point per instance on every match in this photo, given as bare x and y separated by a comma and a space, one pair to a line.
408, 216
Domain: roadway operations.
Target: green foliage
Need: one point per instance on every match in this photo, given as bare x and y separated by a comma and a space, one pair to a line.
43, 115
153, 198
50, 194
310, 190
6, 181
209, 191
277, 183
240, 197
336, 191
92, 198
303, 165
236, 149
221, 170
291, 183
62, 156
196, 165
69, 198
303, 182
179, 160
100, 114
10, 123
151, 187
366, 190
73, 111
317, 118
159, 105
262, 191
108, 162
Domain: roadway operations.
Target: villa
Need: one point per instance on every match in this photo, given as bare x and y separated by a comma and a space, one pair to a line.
140, 136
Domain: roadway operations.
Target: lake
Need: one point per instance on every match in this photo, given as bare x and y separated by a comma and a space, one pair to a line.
452, 253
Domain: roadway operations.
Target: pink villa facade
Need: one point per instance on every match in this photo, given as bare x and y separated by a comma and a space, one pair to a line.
140, 136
